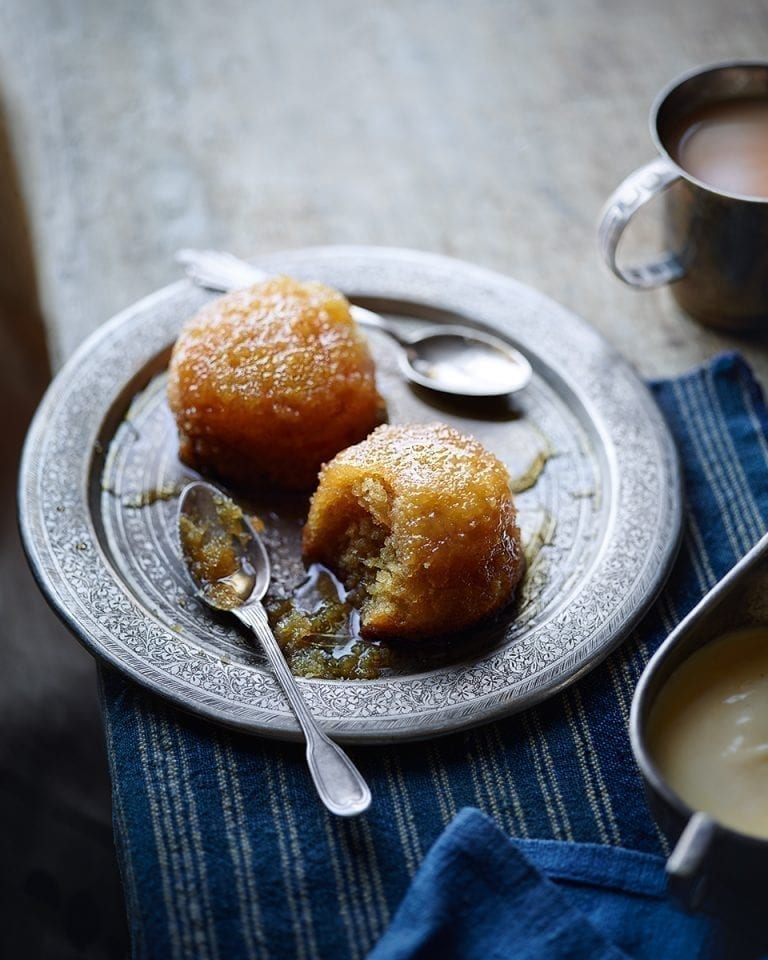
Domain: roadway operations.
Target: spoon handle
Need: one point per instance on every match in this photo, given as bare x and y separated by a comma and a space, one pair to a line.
219, 271
338, 782
374, 321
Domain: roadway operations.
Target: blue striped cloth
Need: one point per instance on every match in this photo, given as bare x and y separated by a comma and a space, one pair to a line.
224, 850
479, 895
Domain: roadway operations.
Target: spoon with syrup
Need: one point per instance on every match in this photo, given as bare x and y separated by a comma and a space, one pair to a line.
230, 569
447, 358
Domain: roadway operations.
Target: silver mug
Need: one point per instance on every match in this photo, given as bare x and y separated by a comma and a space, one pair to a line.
717, 242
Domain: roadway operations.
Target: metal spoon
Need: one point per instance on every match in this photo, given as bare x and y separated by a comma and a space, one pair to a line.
230, 568
446, 358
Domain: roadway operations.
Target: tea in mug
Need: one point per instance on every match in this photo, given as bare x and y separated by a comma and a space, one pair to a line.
708, 730
725, 145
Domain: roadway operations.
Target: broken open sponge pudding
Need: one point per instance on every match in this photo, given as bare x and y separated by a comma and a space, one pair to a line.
420, 520
268, 383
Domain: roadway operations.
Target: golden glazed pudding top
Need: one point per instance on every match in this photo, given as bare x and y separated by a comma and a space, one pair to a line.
268, 383
420, 519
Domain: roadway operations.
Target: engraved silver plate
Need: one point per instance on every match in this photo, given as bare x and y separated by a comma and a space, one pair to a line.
600, 515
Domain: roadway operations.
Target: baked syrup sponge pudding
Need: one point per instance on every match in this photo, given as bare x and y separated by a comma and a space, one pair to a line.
419, 522
268, 383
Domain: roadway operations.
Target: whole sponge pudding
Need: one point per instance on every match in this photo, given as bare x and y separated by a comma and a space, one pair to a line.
418, 520
268, 383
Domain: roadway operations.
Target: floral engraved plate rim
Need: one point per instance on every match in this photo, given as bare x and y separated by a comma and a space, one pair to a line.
63, 527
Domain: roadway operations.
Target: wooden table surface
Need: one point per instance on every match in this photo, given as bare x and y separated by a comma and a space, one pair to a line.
487, 130
491, 131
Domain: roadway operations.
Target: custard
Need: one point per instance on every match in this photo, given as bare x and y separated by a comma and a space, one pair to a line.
419, 521
708, 730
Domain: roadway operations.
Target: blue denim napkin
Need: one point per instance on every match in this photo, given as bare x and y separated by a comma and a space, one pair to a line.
225, 851
480, 896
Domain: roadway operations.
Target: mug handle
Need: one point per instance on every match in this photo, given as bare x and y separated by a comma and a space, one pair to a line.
638, 188
686, 871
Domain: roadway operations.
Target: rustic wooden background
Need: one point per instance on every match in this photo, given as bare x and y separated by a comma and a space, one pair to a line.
489, 130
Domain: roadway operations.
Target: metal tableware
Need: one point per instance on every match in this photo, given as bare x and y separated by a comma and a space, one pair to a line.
447, 358
717, 256
712, 867
337, 781
598, 496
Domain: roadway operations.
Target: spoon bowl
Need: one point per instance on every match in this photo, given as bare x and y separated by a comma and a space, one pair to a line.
449, 358
229, 568
213, 532
464, 362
